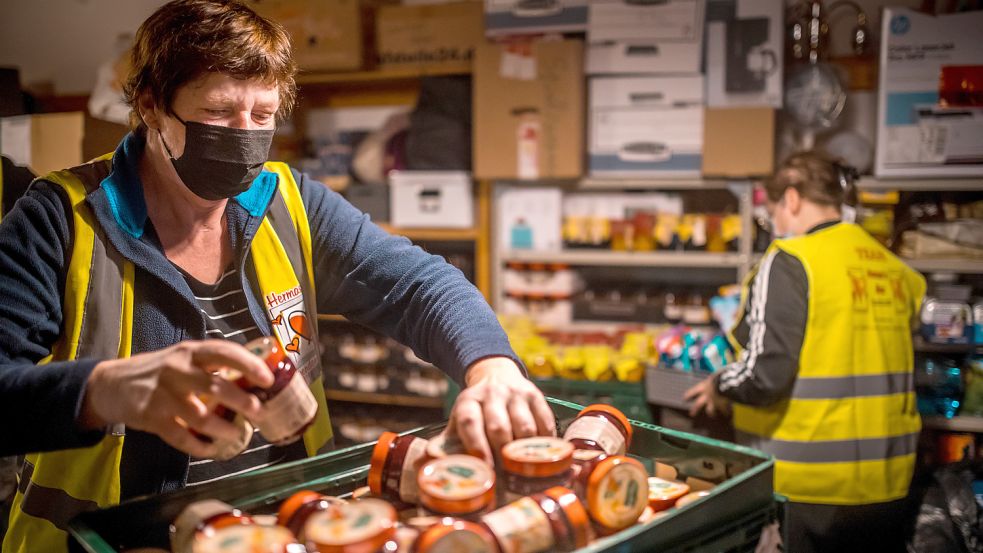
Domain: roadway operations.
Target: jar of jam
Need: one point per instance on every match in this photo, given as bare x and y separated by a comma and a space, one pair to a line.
452, 535
600, 427
663, 494
223, 449
614, 489
554, 519
299, 507
535, 464
394, 466
289, 406
457, 485
211, 526
363, 526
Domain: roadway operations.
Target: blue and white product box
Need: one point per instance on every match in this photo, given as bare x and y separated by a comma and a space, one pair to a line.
525, 17
916, 137
433, 199
646, 126
528, 218
636, 38
745, 42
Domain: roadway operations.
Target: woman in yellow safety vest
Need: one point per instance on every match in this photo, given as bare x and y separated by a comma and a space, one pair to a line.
128, 281
824, 379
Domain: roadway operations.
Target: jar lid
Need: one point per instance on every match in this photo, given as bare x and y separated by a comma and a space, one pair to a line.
363, 525
537, 457
378, 463
289, 507
453, 535
575, 513
616, 413
663, 494
247, 538
188, 521
617, 492
691, 497
456, 485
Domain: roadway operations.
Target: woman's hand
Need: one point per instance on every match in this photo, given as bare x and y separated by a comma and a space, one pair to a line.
705, 397
161, 392
498, 405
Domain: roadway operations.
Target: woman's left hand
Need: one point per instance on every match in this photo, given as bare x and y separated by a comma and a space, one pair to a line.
498, 405
705, 397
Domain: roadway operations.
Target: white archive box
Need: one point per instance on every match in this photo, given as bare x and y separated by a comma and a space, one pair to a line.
745, 47
518, 17
628, 20
916, 137
646, 126
626, 37
435, 199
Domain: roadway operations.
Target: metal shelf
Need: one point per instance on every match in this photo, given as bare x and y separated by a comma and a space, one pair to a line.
400, 400
966, 266
628, 259
613, 183
955, 424
914, 185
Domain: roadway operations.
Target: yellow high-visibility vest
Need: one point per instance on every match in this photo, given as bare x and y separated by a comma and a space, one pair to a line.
848, 433
56, 486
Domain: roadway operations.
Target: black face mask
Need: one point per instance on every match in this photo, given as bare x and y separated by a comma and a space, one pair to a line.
220, 162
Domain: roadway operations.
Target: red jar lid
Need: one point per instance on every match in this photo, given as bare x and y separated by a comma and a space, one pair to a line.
377, 465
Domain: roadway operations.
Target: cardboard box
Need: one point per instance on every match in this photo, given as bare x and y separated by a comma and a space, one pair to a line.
519, 17
528, 218
745, 46
44, 142
529, 111
625, 58
327, 35
646, 126
645, 22
915, 136
431, 199
429, 38
738, 142
101, 137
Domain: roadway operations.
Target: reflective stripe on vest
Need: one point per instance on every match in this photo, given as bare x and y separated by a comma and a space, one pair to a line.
56, 486
848, 432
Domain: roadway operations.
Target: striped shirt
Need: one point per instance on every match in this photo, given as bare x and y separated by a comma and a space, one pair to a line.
226, 312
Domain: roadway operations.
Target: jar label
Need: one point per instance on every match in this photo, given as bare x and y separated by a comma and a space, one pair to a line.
521, 527
415, 455
622, 496
351, 523
233, 539
457, 477
597, 429
227, 449
538, 450
287, 412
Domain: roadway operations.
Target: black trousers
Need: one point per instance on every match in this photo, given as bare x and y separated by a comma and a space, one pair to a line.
874, 528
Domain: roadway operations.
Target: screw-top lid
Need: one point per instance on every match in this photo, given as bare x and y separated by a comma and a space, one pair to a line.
377, 465
617, 492
537, 457
663, 493
456, 485
575, 513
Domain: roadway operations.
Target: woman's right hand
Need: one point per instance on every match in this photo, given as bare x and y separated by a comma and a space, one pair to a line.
160, 392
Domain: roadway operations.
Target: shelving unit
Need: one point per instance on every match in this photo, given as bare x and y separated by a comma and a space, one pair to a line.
955, 424
357, 78
628, 259
963, 266
873, 184
400, 400
435, 234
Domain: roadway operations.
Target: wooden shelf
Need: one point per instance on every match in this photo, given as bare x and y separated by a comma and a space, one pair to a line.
920, 345
966, 266
955, 424
600, 183
628, 259
434, 234
382, 76
331, 318
914, 185
385, 399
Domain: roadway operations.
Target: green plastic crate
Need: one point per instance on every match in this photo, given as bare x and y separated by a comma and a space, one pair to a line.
736, 503
629, 397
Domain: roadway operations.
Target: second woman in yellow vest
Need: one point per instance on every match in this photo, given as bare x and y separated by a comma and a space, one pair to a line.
824, 381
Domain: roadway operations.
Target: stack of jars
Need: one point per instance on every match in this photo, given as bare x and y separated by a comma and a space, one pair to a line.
430, 496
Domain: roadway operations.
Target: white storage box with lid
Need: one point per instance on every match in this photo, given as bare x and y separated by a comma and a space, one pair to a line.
518, 17
434, 199
646, 126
